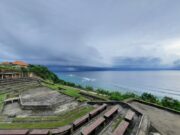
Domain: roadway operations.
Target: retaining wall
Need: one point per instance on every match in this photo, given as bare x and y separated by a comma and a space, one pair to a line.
155, 105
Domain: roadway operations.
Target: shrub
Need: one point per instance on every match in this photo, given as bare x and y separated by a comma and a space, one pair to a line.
171, 103
149, 97
102, 91
90, 88
116, 96
129, 95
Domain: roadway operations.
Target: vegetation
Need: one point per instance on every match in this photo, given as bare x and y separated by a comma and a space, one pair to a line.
116, 122
149, 98
89, 88
2, 98
7, 67
170, 103
44, 73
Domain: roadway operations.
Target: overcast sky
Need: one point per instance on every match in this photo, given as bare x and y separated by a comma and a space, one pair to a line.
143, 33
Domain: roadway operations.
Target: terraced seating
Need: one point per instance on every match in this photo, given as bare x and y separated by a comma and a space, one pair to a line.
17, 85
121, 129
19, 80
20, 89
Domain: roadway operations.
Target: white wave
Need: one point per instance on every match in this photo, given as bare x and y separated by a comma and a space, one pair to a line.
86, 79
71, 75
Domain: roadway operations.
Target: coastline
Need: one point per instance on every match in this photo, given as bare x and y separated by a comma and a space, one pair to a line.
127, 83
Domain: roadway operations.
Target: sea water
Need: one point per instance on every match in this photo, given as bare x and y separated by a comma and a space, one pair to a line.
159, 83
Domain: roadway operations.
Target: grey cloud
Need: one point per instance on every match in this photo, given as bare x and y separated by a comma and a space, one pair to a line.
177, 63
76, 32
55, 41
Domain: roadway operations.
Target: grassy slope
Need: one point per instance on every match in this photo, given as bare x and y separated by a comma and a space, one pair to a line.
74, 92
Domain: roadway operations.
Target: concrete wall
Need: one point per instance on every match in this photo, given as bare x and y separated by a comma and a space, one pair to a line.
155, 105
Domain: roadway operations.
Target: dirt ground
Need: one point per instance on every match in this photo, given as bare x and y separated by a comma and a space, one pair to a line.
166, 122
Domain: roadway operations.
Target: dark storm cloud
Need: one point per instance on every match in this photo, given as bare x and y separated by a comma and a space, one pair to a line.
141, 62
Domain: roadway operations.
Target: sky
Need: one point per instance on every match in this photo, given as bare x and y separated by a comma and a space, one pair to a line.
99, 33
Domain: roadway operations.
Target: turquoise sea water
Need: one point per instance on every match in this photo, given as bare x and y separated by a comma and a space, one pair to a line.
159, 83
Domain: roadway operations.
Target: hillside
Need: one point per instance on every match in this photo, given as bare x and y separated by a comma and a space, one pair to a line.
47, 75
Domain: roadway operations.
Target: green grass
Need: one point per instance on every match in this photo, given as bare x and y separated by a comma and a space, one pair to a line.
2, 118
67, 90
71, 92
12, 94
96, 95
75, 92
116, 123
8, 67
50, 85
2, 98
62, 120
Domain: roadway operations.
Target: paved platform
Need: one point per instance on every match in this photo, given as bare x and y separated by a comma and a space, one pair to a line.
166, 122
42, 97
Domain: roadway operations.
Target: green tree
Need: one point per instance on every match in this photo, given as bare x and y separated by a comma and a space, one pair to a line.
149, 97
171, 103
129, 95
116, 96
90, 88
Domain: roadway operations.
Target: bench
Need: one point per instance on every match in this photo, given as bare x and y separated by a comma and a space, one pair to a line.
91, 128
97, 110
39, 132
80, 121
129, 115
111, 112
14, 132
61, 130
121, 129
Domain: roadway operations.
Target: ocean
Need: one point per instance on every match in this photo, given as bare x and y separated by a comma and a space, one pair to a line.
159, 83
